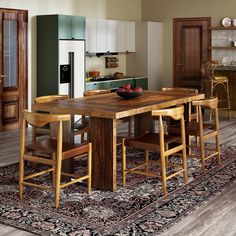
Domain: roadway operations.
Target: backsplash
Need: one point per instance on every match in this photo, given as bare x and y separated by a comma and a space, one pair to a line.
223, 38
99, 64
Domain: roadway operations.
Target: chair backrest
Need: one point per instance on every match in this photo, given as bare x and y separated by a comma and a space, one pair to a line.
50, 98
208, 70
180, 89
175, 113
40, 120
96, 92
192, 116
209, 103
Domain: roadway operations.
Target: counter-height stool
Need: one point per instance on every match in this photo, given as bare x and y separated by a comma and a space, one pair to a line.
54, 148
215, 81
158, 142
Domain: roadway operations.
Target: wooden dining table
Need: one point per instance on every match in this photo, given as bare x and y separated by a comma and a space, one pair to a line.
104, 111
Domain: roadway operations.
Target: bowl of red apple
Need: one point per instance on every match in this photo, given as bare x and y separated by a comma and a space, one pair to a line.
128, 91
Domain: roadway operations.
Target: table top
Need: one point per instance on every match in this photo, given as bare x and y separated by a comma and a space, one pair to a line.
114, 107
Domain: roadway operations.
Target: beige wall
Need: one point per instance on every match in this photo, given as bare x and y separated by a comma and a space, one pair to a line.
165, 11
106, 9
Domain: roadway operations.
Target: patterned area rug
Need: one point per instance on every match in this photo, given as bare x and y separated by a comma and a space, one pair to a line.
138, 209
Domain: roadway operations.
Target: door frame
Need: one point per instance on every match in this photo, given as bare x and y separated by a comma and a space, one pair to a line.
21, 90
175, 21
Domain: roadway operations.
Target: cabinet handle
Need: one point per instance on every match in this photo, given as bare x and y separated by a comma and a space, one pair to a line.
179, 64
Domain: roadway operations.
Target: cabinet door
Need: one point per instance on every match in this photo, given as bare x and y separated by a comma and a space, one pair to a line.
130, 36
78, 27
101, 36
126, 36
111, 35
64, 27
91, 35
71, 27
121, 36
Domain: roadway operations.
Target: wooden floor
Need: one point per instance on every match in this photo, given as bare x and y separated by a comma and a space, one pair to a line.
216, 218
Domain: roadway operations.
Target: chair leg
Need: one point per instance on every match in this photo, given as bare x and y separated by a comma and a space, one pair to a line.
166, 157
21, 177
202, 155
228, 101
163, 174
54, 171
58, 182
123, 162
89, 167
184, 162
130, 127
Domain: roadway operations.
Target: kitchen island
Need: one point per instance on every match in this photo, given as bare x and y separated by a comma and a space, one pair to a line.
230, 72
114, 84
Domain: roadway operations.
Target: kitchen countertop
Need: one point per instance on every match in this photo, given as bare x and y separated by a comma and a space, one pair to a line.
114, 79
226, 68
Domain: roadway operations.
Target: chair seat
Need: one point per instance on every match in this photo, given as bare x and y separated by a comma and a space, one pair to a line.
193, 128
220, 79
49, 146
150, 141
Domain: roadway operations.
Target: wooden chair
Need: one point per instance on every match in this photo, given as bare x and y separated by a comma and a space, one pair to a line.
95, 92
79, 128
210, 78
58, 151
192, 115
158, 142
203, 130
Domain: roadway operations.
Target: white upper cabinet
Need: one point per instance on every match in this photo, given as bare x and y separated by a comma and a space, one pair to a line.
101, 36
130, 36
91, 35
125, 36
109, 36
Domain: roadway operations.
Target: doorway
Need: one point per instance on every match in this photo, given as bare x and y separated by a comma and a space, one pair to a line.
192, 40
13, 67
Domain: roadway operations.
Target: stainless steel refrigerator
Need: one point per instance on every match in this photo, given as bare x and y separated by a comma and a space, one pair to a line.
72, 67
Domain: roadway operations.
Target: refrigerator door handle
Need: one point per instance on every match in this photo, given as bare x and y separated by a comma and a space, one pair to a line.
71, 85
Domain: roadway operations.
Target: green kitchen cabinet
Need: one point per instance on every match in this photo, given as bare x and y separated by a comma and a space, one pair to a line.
142, 82
50, 29
71, 27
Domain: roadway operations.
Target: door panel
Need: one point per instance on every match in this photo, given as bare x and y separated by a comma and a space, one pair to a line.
13, 67
191, 47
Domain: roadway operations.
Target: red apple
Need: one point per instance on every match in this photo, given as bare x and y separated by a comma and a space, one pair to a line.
138, 89
127, 86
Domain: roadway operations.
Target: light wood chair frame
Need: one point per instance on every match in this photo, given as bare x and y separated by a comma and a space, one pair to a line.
27, 153
176, 113
212, 104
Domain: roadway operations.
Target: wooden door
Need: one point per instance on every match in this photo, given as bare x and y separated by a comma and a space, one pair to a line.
13, 67
192, 40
